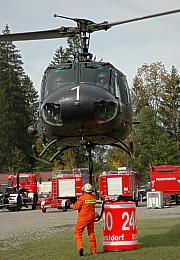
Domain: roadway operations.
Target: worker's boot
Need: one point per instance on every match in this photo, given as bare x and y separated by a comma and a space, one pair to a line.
81, 252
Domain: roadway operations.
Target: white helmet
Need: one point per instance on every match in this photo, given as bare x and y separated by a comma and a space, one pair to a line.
87, 188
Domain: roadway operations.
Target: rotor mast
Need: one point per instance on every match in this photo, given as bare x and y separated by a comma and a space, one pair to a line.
84, 34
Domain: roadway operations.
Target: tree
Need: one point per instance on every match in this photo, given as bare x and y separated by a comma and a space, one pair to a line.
71, 53
156, 138
15, 109
148, 85
59, 57
74, 48
152, 145
169, 105
116, 158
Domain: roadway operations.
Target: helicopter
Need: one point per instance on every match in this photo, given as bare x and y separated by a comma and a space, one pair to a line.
74, 110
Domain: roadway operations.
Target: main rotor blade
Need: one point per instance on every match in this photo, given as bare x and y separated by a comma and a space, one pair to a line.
109, 25
62, 32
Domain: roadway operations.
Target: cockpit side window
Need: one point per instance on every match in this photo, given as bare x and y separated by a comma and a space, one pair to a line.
43, 86
117, 91
121, 89
112, 81
127, 89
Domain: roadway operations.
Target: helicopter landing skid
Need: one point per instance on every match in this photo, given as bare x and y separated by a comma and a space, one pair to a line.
123, 146
40, 157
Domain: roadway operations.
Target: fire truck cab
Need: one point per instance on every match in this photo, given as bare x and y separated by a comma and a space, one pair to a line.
21, 191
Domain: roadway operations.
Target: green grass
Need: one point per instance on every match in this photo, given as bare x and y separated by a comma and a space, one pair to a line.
158, 239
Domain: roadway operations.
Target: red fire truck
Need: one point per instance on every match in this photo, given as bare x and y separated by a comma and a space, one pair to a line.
121, 184
21, 192
166, 178
66, 188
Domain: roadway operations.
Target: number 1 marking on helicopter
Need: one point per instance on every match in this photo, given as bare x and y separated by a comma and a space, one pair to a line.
77, 94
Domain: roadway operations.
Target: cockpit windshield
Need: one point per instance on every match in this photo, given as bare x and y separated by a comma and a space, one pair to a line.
92, 73
59, 76
99, 74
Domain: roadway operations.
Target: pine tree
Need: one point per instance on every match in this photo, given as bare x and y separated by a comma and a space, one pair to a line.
59, 57
74, 48
15, 110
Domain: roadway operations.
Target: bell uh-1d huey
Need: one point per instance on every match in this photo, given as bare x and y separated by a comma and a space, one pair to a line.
74, 109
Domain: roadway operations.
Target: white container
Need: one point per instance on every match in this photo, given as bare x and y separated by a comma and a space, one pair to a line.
155, 199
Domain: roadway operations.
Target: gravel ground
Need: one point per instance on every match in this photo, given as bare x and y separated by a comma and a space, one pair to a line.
143, 212
27, 220
32, 224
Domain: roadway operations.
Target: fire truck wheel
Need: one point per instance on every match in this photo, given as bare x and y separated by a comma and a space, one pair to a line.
136, 202
33, 206
34, 202
11, 208
44, 210
65, 208
19, 203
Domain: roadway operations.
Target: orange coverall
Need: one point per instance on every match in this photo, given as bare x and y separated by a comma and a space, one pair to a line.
86, 218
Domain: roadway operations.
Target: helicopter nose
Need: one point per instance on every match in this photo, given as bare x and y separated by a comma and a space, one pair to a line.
79, 104
86, 103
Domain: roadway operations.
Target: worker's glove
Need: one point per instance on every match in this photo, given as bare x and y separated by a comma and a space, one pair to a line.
71, 206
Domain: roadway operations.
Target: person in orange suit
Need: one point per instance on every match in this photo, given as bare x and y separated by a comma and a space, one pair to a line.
86, 218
